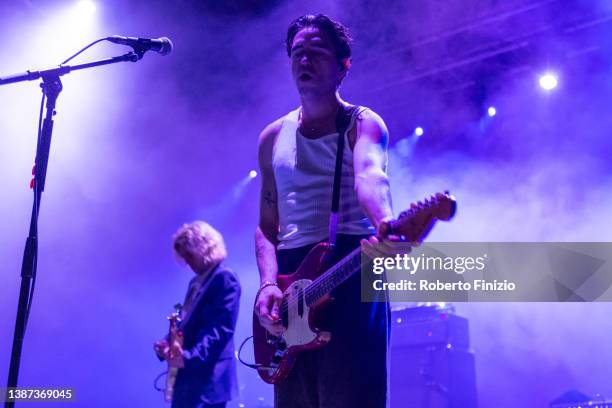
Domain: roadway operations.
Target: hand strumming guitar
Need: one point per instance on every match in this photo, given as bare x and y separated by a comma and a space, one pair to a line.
172, 353
267, 305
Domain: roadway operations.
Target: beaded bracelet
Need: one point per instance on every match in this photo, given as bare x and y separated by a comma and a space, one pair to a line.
264, 285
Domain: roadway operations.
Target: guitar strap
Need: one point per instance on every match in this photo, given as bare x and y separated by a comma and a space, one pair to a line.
343, 120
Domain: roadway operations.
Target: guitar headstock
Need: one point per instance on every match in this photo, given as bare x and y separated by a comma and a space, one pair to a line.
415, 223
175, 317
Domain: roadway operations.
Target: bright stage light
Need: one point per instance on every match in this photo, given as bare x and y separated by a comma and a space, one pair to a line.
548, 81
252, 174
65, 30
80, 15
86, 8
419, 131
44, 42
491, 111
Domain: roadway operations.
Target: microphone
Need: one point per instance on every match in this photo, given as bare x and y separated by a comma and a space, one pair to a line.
141, 45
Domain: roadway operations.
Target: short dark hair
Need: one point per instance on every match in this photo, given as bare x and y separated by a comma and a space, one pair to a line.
338, 33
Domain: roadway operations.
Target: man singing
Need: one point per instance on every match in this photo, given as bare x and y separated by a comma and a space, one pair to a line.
207, 375
297, 156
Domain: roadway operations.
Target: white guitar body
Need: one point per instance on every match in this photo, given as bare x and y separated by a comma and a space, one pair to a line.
299, 332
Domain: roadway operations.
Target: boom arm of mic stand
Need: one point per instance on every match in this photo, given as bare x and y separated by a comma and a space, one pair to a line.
64, 69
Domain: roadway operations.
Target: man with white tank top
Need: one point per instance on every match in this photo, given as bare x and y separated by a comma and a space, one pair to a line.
297, 156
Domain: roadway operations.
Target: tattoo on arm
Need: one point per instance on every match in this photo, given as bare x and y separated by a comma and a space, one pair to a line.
268, 198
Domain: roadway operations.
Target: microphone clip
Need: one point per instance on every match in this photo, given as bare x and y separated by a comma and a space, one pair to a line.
141, 46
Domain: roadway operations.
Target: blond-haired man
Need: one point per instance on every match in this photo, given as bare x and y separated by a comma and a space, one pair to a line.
207, 378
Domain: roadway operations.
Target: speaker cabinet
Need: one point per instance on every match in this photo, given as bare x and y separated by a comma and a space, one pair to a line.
431, 365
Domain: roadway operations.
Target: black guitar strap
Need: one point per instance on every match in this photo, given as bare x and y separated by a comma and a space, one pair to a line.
343, 119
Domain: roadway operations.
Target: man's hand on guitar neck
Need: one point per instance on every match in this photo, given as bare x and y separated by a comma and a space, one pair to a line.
381, 244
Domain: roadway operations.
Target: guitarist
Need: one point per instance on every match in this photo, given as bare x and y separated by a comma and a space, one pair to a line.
297, 157
207, 375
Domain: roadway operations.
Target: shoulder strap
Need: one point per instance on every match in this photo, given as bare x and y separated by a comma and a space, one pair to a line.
343, 119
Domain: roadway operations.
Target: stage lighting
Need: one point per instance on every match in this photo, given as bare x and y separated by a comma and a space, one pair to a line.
419, 131
65, 30
252, 174
548, 81
491, 111
86, 7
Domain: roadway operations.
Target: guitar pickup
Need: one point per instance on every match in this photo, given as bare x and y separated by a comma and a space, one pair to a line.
300, 302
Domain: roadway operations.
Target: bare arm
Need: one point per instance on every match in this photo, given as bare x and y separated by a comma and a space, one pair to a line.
369, 162
267, 229
269, 297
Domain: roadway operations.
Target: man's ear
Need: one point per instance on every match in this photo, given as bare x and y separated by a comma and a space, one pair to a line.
344, 66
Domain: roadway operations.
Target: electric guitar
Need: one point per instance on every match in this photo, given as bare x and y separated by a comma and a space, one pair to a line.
174, 336
306, 292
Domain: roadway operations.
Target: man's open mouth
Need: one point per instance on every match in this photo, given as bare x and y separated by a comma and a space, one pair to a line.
305, 76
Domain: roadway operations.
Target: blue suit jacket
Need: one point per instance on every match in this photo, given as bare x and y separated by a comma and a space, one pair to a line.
210, 366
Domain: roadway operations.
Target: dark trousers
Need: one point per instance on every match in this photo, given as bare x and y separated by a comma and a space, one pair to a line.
194, 401
187, 393
350, 371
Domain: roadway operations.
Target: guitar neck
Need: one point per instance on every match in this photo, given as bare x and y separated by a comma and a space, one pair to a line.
333, 277
413, 225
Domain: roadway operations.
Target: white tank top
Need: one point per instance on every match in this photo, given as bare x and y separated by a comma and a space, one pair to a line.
304, 172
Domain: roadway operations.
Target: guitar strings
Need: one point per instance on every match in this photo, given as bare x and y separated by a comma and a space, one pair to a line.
324, 280
314, 285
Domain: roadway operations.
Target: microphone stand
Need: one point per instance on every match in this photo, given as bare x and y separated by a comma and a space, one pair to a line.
51, 88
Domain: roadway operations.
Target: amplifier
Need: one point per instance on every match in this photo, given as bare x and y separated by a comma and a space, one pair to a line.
431, 365
432, 377
423, 326
585, 404
577, 399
